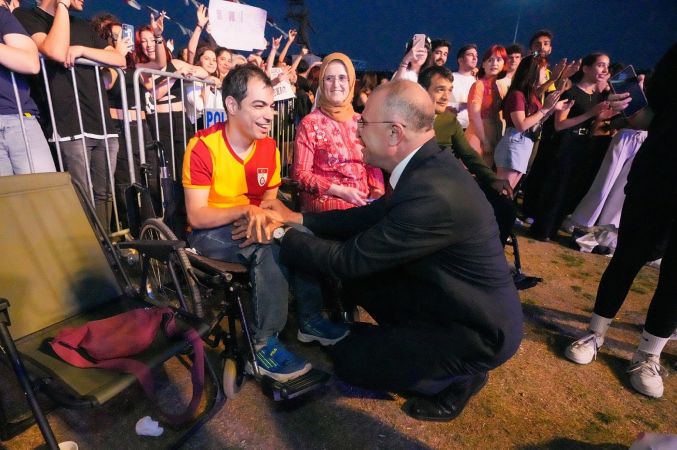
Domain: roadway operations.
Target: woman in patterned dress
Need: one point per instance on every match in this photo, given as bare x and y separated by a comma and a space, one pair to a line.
328, 160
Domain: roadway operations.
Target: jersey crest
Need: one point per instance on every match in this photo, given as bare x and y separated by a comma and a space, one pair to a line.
262, 176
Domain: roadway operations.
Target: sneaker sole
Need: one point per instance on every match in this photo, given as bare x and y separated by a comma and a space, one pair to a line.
308, 338
643, 390
281, 377
573, 358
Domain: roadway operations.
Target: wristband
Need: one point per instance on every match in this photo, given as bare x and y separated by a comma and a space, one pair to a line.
198, 26
159, 40
62, 3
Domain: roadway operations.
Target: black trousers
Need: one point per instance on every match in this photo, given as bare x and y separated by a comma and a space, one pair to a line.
586, 172
556, 189
122, 178
417, 347
648, 228
540, 170
504, 211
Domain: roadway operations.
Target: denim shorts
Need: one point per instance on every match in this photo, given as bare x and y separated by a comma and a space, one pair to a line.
513, 151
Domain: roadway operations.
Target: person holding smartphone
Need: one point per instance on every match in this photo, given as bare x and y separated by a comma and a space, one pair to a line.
111, 29
575, 125
648, 228
415, 56
523, 112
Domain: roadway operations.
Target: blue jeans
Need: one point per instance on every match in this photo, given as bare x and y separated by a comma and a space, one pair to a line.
270, 279
13, 152
74, 162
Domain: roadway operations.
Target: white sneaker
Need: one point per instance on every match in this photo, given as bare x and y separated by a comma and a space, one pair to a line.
584, 350
645, 374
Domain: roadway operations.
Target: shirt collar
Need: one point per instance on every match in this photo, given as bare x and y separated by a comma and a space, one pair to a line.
399, 168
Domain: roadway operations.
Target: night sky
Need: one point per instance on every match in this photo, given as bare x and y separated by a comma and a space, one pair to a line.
634, 32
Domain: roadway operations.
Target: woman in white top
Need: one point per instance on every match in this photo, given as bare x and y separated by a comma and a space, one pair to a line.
201, 96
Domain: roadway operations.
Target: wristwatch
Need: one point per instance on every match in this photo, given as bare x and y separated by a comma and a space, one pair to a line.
279, 232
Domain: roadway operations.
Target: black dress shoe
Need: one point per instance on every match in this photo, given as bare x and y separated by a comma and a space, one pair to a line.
525, 282
448, 404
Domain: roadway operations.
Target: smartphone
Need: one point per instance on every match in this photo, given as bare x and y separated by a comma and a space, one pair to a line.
626, 81
128, 33
418, 40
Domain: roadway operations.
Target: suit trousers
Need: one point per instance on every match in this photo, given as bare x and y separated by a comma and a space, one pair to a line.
416, 347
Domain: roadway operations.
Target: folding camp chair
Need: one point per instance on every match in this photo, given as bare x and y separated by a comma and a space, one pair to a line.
58, 269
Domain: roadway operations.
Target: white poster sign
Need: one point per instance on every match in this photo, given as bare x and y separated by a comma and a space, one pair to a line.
237, 26
283, 89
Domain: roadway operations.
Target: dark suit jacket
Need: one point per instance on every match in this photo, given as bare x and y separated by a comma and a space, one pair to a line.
435, 229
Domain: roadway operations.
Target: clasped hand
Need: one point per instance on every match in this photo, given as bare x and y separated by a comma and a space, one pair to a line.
256, 226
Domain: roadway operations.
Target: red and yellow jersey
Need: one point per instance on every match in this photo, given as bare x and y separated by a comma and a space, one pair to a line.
210, 163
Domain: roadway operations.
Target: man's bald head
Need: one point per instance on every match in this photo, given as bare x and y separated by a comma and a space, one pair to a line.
408, 102
397, 119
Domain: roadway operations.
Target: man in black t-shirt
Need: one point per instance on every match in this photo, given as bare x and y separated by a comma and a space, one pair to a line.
87, 146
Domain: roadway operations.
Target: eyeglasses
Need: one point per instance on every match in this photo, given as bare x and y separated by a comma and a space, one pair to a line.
361, 123
340, 78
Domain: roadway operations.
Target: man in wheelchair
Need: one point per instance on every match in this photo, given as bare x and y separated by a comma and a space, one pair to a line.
229, 169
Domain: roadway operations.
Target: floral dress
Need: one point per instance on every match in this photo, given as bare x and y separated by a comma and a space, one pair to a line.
328, 152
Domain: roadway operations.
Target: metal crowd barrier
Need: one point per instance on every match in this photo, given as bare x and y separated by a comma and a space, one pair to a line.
155, 74
106, 135
283, 128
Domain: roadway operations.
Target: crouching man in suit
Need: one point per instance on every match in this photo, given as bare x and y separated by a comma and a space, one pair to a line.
425, 261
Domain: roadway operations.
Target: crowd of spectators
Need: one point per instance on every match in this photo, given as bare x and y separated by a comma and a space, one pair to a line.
538, 135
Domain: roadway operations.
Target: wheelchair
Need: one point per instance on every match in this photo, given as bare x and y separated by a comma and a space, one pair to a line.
216, 291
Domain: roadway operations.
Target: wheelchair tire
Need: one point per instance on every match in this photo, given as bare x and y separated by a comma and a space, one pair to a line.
159, 285
233, 378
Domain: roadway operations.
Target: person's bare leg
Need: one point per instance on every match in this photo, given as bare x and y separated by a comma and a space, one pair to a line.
512, 176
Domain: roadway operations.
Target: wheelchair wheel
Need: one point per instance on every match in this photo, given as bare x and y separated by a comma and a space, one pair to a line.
160, 285
233, 377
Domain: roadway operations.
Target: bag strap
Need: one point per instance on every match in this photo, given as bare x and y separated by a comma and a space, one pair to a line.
143, 373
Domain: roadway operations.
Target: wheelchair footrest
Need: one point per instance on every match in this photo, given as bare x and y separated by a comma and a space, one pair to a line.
277, 391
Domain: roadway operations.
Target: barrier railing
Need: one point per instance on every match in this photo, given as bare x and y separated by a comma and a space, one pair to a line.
283, 128
104, 115
154, 75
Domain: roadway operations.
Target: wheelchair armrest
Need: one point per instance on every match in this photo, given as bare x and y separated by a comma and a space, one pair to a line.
215, 266
160, 249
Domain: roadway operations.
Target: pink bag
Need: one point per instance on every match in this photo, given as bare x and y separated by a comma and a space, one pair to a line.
110, 342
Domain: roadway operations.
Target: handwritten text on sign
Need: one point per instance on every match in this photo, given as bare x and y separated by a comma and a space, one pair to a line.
283, 89
237, 26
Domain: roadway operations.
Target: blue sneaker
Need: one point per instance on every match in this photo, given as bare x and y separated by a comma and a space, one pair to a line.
322, 330
278, 363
